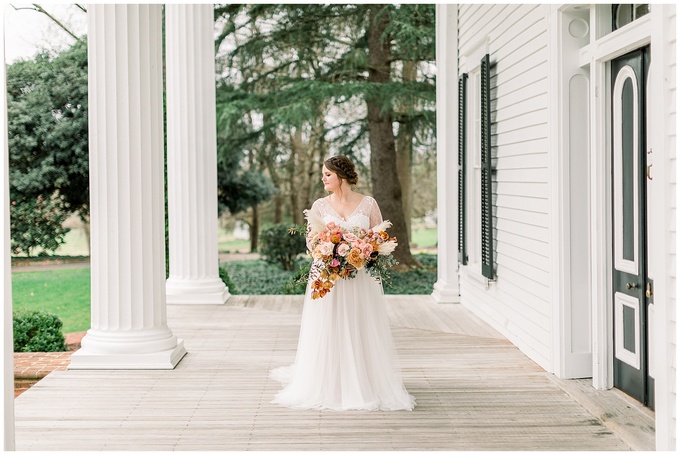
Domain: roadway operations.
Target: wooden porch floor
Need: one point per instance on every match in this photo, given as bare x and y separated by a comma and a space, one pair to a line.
474, 391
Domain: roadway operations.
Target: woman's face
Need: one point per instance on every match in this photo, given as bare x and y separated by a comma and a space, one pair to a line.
331, 181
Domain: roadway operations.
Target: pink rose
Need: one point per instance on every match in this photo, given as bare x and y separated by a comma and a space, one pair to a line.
366, 250
326, 248
343, 249
350, 237
335, 263
333, 227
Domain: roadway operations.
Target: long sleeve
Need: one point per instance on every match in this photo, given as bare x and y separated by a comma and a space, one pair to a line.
375, 217
315, 212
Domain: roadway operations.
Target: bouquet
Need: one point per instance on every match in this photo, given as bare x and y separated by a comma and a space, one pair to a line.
341, 253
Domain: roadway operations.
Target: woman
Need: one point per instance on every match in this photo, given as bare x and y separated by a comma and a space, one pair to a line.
346, 358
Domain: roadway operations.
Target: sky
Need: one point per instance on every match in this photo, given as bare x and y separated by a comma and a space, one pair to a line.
28, 31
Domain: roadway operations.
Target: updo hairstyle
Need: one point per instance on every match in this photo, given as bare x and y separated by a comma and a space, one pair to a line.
343, 167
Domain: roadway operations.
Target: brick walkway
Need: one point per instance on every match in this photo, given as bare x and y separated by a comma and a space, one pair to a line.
31, 367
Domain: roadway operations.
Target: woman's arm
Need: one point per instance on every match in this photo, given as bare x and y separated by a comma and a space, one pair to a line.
375, 217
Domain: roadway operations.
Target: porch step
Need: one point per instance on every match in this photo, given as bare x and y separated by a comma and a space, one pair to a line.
621, 414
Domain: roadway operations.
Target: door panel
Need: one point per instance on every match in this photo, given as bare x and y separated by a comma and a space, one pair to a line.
631, 366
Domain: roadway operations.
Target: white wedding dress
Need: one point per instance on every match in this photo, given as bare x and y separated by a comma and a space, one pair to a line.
346, 358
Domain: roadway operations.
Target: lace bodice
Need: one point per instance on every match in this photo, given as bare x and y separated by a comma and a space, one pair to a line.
366, 215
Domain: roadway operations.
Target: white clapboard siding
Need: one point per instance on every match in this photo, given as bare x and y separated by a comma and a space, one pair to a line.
519, 241
517, 302
671, 70
526, 147
532, 175
522, 216
522, 91
520, 136
527, 160
527, 100
513, 119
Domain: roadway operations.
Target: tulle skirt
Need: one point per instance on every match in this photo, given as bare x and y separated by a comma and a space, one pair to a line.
346, 358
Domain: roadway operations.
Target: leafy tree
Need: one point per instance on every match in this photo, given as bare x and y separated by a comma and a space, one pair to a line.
48, 148
335, 78
37, 223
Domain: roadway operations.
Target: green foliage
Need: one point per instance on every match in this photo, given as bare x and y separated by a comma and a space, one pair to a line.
293, 87
48, 145
37, 223
278, 245
256, 277
298, 283
259, 277
239, 190
37, 331
224, 276
317, 57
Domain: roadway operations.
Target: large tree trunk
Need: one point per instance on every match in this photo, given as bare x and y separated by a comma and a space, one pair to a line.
278, 197
405, 151
386, 187
293, 177
254, 230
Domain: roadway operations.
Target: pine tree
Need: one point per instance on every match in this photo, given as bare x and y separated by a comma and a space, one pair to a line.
329, 78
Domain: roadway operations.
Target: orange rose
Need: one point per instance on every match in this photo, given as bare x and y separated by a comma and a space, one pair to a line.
384, 235
335, 238
354, 258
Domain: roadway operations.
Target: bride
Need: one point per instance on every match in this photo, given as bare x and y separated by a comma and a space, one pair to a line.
346, 358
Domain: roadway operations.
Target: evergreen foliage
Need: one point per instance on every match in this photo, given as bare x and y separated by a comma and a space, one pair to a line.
38, 331
295, 85
279, 245
48, 147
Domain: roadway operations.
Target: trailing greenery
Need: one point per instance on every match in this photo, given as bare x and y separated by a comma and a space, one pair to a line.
224, 276
37, 331
279, 245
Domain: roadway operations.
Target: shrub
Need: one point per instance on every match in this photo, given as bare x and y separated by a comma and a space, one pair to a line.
415, 281
37, 331
277, 245
297, 285
224, 275
256, 277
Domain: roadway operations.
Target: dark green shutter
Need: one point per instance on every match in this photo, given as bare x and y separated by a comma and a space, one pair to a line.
462, 146
487, 212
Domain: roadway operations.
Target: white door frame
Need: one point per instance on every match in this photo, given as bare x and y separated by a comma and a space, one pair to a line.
597, 56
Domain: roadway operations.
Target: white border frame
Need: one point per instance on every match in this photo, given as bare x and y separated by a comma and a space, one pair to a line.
620, 352
621, 264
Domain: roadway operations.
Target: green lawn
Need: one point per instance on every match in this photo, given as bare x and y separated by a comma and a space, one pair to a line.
424, 238
65, 293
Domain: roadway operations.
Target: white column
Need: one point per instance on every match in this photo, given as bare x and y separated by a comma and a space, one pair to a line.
7, 438
446, 288
129, 329
192, 156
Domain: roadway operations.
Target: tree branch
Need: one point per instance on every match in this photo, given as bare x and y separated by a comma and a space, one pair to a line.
42, 10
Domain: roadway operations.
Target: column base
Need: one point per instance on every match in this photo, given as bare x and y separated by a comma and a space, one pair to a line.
164, 360
187, 292
445, 293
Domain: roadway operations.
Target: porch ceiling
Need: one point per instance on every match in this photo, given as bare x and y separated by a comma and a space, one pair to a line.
474, 391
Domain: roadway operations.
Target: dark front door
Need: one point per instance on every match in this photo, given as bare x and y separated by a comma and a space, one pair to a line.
630, 300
